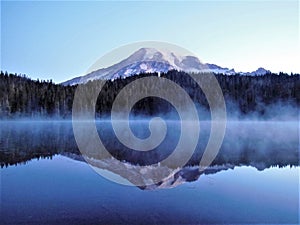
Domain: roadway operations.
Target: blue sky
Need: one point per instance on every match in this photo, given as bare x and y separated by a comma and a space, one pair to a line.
60, 40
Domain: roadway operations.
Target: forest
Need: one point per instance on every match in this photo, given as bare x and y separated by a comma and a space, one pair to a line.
22, 97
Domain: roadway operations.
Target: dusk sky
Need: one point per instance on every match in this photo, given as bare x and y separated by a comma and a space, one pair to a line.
61, 40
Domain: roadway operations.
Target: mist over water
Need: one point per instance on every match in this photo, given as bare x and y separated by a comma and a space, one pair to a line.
258, 139
245, 184
261, 143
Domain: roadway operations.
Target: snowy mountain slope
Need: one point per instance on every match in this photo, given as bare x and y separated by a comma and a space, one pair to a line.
259, 72
149, 60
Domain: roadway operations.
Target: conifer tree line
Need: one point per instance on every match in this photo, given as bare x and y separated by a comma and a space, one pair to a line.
23, 97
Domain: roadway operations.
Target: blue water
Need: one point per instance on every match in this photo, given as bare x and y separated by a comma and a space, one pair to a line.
62, 190
254, 178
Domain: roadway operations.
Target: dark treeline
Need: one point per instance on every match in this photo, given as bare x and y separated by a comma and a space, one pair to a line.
21, 96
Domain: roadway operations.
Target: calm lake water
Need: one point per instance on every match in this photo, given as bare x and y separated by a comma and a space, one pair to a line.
254, 179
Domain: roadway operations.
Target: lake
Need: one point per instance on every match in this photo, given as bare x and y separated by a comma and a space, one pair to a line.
45, 179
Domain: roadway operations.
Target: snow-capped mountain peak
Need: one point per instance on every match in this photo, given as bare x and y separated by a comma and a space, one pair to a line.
150, 60
175, 60
259, 72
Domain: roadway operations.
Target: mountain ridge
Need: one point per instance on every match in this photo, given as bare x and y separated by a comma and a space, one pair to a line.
150, 60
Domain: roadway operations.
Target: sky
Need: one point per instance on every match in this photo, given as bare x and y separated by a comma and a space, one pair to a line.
61, 40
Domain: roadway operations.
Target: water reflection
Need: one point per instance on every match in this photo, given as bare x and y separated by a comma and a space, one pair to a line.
66, 191
26, 140
236, 189
258, 144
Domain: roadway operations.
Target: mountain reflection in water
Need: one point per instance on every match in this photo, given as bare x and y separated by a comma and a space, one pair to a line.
257, 144
236, 189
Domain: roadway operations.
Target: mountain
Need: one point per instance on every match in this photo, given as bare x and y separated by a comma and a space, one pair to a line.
150, 60
259, 72
145, 177
217, 69
142, 177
